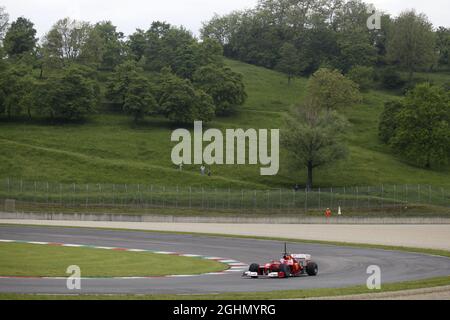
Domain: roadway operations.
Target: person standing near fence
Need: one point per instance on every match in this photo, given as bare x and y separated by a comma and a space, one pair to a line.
328, 213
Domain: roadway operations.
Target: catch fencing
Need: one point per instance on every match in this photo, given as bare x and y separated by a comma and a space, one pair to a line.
40, 194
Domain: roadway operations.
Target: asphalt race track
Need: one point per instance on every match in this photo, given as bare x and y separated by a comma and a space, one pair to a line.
339, 266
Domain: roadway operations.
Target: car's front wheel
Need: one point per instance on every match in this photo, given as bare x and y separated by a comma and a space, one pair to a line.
312, 269
285, 269
254, 268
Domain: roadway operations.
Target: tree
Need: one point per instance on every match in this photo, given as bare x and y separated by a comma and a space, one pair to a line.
112, 44
332, 90
422, 134
14, 86
132, 90
4, 23
355, 48
139, 99
317, 46
288, 62
71, 95
180, 102
137, 44
20, 37
225, 86
363, 76
314, 138
120, 80
443, 46
411, 42
66, 40
388, 120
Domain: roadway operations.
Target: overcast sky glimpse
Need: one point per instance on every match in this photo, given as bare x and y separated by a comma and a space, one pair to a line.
131, 14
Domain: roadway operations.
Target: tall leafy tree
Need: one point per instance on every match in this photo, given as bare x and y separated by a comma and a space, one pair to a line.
14, 86
67, 39
313, 137
388, 120
111, 41
411, 42
443, 46
422, 133
131, 90
180, 102
139, 100
225, 86
20, 37
355, 49
289, 61
332, 90
363, 76
120, 81
70, 95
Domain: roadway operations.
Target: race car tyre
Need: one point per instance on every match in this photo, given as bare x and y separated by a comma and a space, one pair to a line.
312, 269
285, 269
254, 268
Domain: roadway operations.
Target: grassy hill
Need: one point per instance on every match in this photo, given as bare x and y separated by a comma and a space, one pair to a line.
108, 148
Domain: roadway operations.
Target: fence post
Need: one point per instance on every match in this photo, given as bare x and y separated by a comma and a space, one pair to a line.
190, 197
357, 197
331, 198
320, 203
114, 194
139, 197
281, 200
151, 195
306, 200
395, 195
345, 196
203, 198
429, 194
293, 198
100, 200
164, 196
382, 196
87, 195
47, 192
418, 193
124, 199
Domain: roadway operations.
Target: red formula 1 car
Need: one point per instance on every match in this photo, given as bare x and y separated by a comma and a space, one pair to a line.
291, 265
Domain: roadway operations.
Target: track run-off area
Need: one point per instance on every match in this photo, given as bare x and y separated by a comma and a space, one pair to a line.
339, 266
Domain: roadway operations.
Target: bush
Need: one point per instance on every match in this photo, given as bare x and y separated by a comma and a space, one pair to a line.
410, 85
363, 76
388, 120
225, 86
391, 79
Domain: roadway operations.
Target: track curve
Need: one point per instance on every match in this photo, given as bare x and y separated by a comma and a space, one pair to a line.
339, 266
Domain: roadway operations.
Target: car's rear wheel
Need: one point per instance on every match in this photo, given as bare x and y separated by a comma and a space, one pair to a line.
312, 269
285, 269
254, 268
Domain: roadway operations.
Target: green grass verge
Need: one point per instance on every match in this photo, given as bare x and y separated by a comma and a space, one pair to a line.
290, 294
20, 259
